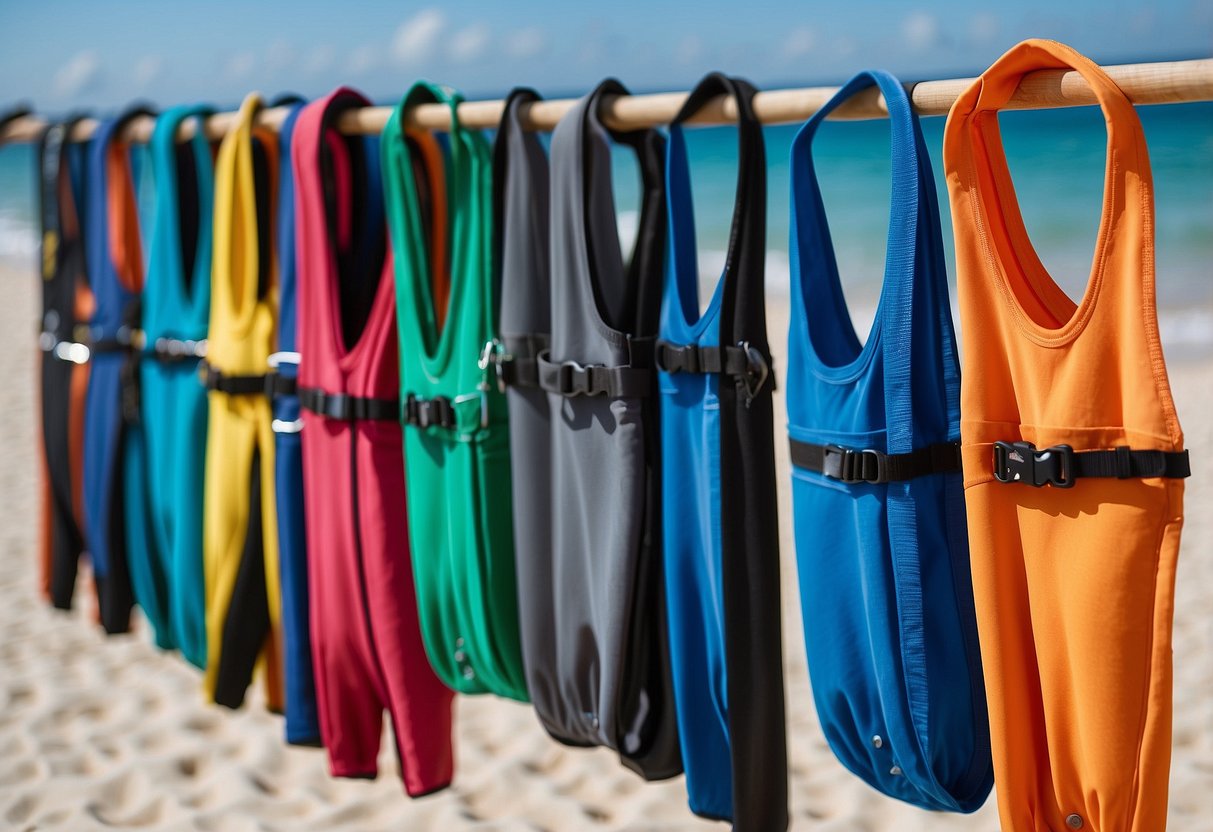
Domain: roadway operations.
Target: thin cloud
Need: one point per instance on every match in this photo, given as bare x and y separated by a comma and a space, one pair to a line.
80, 74
363, 59
525, 43
279, 55
984, 27
240, 66
845, 46
799, 43
320, 60
147, 69
689, 50
417, 36
921, 30
469, 44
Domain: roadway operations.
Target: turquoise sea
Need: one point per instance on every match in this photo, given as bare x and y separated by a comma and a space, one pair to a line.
1056, 157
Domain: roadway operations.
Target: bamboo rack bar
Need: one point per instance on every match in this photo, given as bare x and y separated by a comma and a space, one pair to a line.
1146, 83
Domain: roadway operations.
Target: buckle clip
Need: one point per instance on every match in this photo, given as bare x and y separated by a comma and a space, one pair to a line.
1023, 462
277, 359
573, 379
493, 354
758, 369
852, 465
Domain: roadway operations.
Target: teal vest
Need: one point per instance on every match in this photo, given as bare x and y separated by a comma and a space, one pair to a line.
176, 308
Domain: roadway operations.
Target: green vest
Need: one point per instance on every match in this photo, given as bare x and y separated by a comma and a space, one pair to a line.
456, 437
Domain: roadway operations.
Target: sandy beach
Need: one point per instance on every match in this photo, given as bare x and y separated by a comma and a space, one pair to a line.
103, 733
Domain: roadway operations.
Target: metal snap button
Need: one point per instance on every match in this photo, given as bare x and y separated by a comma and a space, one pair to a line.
1074, 821
469, 674
895, 771
877, 742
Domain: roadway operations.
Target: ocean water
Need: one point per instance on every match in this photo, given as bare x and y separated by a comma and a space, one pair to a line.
1057, 160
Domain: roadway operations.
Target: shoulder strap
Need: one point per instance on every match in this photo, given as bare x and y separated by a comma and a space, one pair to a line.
62, 247
244, 194
905, 217
970, 124
325, 202
411, 255
641, 303
521, 239
747, 237
286, 236
178, 262
646, 265
512, 143
469, 205
746, 359
111, 232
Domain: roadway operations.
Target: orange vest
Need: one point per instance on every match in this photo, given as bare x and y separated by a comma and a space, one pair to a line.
1074, 585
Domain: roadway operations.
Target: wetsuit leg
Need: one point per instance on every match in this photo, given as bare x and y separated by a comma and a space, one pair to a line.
66, 543
114, 592
247, 624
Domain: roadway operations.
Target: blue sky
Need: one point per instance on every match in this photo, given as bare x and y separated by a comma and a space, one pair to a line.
101, 54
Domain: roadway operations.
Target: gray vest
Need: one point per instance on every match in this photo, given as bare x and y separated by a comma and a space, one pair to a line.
586, 463
520, 210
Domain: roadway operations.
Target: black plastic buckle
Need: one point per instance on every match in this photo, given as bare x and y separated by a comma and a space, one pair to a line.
677, 359
573, 379
331, 405
426, 413
758, 369
851, 465
1022, 462
277, 385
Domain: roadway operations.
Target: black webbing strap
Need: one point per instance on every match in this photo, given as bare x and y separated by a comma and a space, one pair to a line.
1061, 465
130, 378
277, 384
234, 385
520, 363
346, 408
692, 358
631, 380
854, 465
573, 379
172, 350
424, 413
748, 366
125, 339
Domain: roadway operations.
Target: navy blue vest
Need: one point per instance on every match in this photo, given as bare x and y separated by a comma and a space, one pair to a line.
302, 723
111, 405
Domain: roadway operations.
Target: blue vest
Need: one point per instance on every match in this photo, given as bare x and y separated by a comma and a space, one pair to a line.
881, 545
302, 723
725, 651
110, 407
166, 524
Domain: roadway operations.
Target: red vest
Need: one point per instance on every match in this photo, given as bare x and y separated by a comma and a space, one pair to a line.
366, 640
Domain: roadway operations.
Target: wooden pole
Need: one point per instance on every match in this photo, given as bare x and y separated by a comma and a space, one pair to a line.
1150, 83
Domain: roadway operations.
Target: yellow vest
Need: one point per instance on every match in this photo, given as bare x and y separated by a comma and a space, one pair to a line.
242, 603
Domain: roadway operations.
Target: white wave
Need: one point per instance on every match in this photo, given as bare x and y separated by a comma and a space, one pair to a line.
1186, 328
18, 238
778, 271
628, 223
